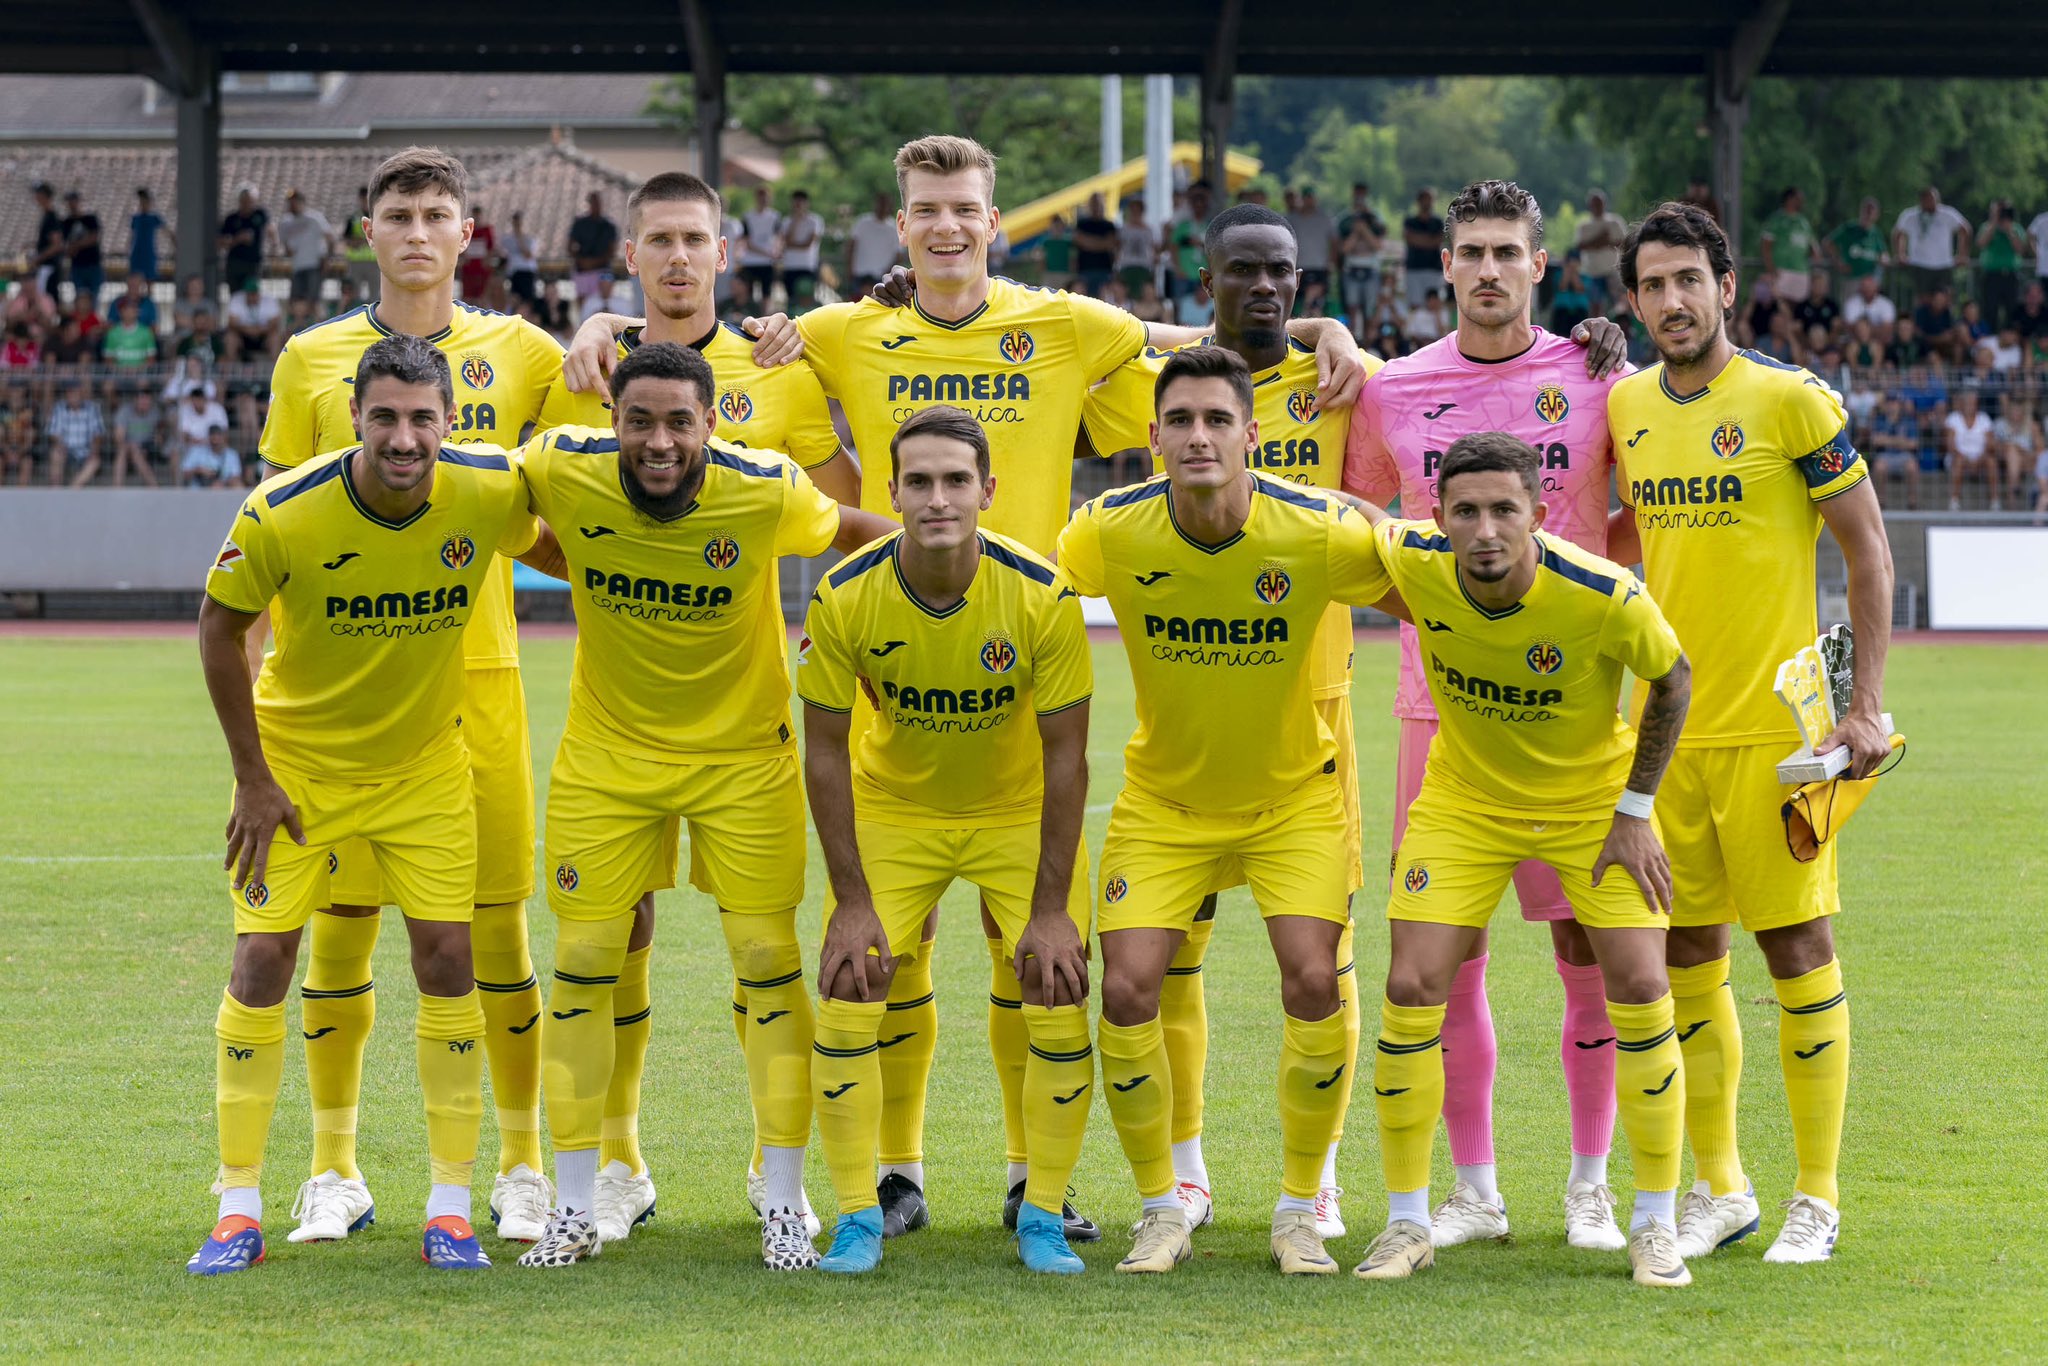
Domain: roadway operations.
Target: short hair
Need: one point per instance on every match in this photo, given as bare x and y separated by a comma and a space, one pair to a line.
1206, 362
1245, 216
943, 419
944, 154
1787, 193
664, 360
407, 359
420, 168
1486, 452
1502, 199
674, 187
1677, 224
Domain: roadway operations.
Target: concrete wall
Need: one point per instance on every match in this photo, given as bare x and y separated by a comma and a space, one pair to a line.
97, 539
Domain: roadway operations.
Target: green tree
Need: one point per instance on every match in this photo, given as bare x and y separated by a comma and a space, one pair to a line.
1448, 133
1341, 153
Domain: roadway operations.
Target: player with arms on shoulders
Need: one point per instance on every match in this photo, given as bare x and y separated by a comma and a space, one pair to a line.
1731, 463
507, 377
375, 559
1220, 578
1500, 372
977, 768
1530, 763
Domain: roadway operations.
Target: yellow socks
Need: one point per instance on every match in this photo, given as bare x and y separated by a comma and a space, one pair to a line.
1710, 1035
1140, 1096
248, 1066
450, 1042
910, 1036
1347, 1005
340, 1005
1312, 1071
1008, 1043
846, 1074
1058, 1080
631, 1023
1813, 1048
1408, 1084
739, 1029
577, 1037
1649, 1089
511, 1001
780, 1026
1184, 1016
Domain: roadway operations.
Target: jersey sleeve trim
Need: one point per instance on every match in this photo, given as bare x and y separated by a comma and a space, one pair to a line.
1037, 573
823, 706
222, 602
1577, 573
594, 445
1287, 493
475, 460
733, 462
1065, 706
287, 492
1137, 493
875, 556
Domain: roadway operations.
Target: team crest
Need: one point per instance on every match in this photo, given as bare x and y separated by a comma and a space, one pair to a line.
721, 551
735, 406
256, 893
1272, 585
998, 655
1830, 457
565, 876
1552, 403
1016, 346
1416, 879
1727, 439
477, 372
1115, 890
458, 550
1544, 657
1301, 405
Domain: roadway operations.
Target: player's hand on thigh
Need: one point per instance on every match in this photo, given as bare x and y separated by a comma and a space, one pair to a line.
776, 340
261, 806
1051, 956
853, 932
1633, 846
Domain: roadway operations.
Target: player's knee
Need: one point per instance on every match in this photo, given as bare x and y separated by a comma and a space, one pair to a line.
1308, 991
1413, 984
1634, 983
1795, 950
1126, 999
262, 973
1569, 942
441, 962
1690, 946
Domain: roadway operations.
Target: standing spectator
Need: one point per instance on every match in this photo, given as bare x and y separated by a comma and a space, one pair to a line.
143, 226
1788, 246
307, 238
2000, 245
138, 437
1571, 304
77, 432
1315, 241
1933, 242
1856, 249
478, 270
46, 248
241, 240
1057, 251
128, 344
1599, 240
1700, 192
357, 251
255, 323
1422, 237
211, 463
1867, 304
1137, 248
593, 239
137, 292
522, 260
803, 244
760, 246
1185, 237
190, 375
1361, 236
1969, 433
2037, 236
1095, 247
82, 249
871, 248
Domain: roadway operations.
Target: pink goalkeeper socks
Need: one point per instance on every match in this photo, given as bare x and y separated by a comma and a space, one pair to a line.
1587, 1051
1470, 1053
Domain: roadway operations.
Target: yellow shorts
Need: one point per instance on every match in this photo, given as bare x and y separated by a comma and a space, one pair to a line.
501, 769
1158, 859
909, 868
613, 822
1720, 811
1336, 714
418, 832
1453, 865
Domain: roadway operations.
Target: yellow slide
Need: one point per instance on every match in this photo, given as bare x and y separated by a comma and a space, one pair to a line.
1029, 220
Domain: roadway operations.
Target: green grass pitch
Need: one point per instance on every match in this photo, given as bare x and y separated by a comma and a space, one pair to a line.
116, 948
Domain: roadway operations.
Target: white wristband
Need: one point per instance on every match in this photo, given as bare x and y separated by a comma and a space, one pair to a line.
1637, 804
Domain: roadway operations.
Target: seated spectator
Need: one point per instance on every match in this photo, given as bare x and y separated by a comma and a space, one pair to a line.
70, 347
1906, 348
83, 311
1196, 309
211, 464
128, 344
29, 305
1895, 447
255, 323
1147, 306
20, 350
1923, 387
1571, 305
1971, 320
1763, 304
1818, 308
17, 435
1984, 379
2030, 319
2007, 355
194, 301
298, 316
137, 292
346, 299
203, 340
556, 312
1867, 303
1864, 351
76, 432
1970, 457
198, 414
2020, 445
1779, 342
1939, 328
138, 437
192, 373
1428, 322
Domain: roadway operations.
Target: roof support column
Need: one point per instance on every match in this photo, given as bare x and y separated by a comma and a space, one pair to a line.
1219, 100
707, 71
1730, 71
198, 193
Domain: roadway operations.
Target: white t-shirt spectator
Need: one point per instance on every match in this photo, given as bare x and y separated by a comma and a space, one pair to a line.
802, 238
874, 246
1881, 311
1312, 233
252, 312
1135, 248
1423, 326
1600, 261
2038, 230
1931, 237
304, 236
195, 423
758, 230
522, 252
1971, 439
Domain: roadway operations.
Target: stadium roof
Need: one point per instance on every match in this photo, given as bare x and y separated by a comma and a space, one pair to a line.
1818, 37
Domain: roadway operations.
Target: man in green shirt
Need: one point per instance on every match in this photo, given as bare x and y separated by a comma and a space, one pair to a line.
1858, 249
1788, 247
128, 342
2000, 244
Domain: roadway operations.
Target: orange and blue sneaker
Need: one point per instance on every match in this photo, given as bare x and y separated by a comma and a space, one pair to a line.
236, 1244
451, 1245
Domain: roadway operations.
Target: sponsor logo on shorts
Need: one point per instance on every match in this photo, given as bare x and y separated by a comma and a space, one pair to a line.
1272, 585
565, 876
1545, 657
721, 551
1727, 439
1116, 889
1552, 404
1416, 879
1016, 346
477, 372
998, 655
458, 550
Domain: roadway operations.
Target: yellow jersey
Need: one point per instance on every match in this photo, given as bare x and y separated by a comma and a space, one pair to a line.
681, 651
508, 377
1529, 697
960, 690
780, 408
1021, 363
1218, 636
366, 679
1296, 443
1725, 486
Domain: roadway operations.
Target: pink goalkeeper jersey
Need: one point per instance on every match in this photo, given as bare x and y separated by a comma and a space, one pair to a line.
1414, 408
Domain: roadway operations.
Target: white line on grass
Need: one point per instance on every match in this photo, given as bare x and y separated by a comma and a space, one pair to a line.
104, 858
